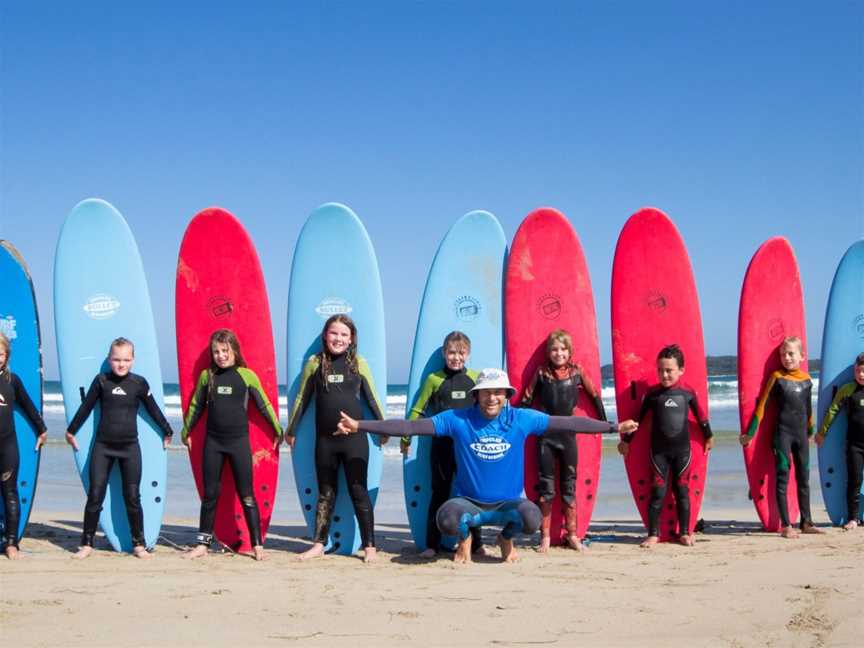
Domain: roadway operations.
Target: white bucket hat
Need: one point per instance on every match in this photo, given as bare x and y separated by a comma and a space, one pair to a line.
493, 379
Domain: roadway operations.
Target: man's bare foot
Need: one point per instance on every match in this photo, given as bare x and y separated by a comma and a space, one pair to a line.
789, 532
12, 552
508, 549
686, 540
314, 551
369, 554
198, 551
811, 529
427, 553
545, 543
574, 542
141, 552
258, 553
82, 553
649, 542
463, 552
851, 525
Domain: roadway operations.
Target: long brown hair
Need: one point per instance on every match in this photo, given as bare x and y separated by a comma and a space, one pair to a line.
4, 342
350, 355
223, 336
559, 336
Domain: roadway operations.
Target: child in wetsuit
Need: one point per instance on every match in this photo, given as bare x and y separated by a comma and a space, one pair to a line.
119, 393
850, 396
224, 389
554, 389
12, 393
791, 389
338, 377
669, 404
444, 390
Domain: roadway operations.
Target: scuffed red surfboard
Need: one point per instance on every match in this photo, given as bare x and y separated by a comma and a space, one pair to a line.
772, 308
548, 287
654, 304
220, 285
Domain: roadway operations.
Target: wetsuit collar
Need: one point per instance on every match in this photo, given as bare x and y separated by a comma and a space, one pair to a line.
450, 373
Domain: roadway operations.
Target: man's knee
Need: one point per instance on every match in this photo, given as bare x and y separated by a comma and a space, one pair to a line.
531, 517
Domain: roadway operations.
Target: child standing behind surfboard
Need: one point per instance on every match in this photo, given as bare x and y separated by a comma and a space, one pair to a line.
555, 387
669, 403
790, 388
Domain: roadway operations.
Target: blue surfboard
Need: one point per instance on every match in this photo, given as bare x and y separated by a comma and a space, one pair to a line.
463, 292
842, 340
100, 293
19, 320
334, 271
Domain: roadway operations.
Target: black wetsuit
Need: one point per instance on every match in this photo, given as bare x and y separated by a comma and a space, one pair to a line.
557, 393
851, 397
670, 448
12, 393
226, 393
116, 440
791, 391
340, 390
444, 390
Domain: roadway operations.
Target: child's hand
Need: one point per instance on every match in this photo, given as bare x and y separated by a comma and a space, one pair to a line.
627, 427
188, 442
709, 443
166, 441
70, 439
347, 425
290, 441
820, 439
40, 440
744, 440
623, 448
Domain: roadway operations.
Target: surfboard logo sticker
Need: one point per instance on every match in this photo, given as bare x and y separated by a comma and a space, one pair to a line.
549, 306
858, 325
467, 308
7, 327
333, 306
776, 330
657, 301
101, 306
220, 307
491, 448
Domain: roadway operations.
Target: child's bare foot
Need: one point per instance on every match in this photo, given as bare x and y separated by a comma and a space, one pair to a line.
574, 543
141, 552
545, 542
12, 552
686, 540
463, 552
369, 554
315, 551
649, 542
851, 525
789, 532
258, 553
82, 553
198, 551
427, 553
811, 529
508, 549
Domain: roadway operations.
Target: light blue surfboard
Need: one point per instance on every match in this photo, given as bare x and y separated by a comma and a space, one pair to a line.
334, 271
842, 340
100, 293
463, 292
19, 320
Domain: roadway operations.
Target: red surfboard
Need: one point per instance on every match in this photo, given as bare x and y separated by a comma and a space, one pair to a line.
220, 285
547, 288
771, 309
654, 304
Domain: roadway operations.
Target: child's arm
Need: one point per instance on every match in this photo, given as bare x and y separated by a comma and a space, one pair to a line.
367, 386
595, 395
627, 437
304, 395
759, 412
155, 413
196, 405
837, 404
528, 394
702, 419
430, 386
811, 423
30, 411
253, 384
86, 406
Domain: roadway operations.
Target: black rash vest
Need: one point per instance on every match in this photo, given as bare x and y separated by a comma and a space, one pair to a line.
12, 393
119, 397
556, 391
669, 407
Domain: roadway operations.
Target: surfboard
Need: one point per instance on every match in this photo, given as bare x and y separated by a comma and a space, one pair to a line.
220, 285
19, 321
100, 293
334, 270
463, 292
548, 287
654, 304
771, 309
842, 341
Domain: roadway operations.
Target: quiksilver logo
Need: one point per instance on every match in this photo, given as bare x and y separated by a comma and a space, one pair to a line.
101, 306
491, 448
2, 401
118, 391
670, 403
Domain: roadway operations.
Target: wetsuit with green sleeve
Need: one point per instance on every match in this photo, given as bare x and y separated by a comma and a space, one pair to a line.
791, 391
116, 440
225, 394
339, 388
851, 397
443, 390
12, 393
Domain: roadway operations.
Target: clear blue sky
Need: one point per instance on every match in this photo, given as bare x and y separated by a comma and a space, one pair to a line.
741, 120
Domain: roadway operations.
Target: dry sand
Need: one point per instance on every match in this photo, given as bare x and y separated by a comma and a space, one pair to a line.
736, 587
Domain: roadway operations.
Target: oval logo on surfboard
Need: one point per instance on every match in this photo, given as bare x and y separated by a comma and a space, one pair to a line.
220, 307
7, 326
858, 325
333, 306
101, 306
549, 306
776, 330
467, 308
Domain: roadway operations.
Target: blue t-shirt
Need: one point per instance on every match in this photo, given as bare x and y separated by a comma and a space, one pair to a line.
490, 454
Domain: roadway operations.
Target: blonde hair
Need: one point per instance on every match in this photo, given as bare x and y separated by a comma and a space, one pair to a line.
7, 346
793, 339
121, 341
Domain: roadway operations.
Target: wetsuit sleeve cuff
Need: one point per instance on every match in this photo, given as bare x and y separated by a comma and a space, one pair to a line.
706, 429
